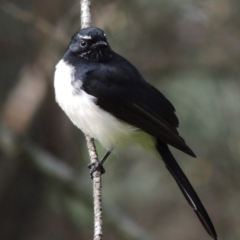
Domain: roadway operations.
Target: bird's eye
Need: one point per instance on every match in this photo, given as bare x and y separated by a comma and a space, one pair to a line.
83, 43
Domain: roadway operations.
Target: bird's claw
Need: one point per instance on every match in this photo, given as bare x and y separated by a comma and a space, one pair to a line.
96, 166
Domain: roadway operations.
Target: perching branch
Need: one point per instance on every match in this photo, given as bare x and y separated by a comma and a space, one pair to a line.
97, 183
97, 191
85, 13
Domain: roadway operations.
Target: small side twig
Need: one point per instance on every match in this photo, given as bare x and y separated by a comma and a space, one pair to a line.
97, 182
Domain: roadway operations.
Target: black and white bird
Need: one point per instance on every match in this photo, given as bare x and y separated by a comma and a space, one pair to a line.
108, 99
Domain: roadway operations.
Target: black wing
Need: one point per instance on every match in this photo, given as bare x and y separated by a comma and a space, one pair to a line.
121, 90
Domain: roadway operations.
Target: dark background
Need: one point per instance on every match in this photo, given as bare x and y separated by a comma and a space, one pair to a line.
188, 49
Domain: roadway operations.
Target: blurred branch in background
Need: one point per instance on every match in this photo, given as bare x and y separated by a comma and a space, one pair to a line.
24, 100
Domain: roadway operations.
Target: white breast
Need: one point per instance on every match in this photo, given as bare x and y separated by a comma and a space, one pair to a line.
86, 115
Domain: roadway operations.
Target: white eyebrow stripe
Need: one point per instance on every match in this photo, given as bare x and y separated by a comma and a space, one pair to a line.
84, 37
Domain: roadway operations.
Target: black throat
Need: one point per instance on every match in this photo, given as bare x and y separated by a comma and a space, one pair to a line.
97, 54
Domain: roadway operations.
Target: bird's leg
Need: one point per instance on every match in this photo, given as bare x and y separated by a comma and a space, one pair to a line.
99, 165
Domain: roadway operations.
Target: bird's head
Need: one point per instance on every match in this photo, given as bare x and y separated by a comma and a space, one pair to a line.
91, 44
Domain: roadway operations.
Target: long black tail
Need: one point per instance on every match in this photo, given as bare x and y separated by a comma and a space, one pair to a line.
186, 188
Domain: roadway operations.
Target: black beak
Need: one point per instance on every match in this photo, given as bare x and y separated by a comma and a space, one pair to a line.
100, 43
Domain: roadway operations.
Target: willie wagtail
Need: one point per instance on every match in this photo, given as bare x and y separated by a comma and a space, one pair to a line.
108, 99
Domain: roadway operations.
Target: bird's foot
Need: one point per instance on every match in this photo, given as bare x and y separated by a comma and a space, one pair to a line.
96, 166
